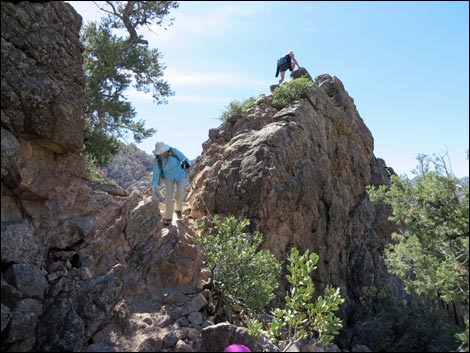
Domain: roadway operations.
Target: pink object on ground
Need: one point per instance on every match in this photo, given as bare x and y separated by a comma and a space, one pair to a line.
237, 348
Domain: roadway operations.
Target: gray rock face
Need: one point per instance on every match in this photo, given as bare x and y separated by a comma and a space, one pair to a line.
46, 204
300, 175
129, 166
41, 74
42, 106
71, 250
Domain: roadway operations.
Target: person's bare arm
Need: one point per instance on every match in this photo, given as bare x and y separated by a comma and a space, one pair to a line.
296, 63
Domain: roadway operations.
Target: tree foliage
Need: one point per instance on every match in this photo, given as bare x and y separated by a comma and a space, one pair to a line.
389, 325
431, 251
241, 272
112, 65
302, 317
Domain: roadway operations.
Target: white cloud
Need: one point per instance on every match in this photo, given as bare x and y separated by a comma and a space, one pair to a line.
186, 26
198, 99
217, 20
212, 79
133, 95
190, 81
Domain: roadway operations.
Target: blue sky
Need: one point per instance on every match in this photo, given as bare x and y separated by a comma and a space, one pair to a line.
405, 64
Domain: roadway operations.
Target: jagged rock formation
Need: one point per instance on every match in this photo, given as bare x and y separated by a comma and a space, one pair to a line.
299, 175
130, 166
46, 205
42, 128
73, 256
132, 169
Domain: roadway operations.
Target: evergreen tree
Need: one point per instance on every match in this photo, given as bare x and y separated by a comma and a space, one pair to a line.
431, 251
112, 64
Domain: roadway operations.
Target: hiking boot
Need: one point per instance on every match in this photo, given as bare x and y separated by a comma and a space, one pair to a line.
167, 222
179, 214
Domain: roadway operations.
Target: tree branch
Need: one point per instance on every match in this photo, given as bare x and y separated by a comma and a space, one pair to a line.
126, 19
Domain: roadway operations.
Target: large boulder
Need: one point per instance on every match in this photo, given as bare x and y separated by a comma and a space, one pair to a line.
300, 176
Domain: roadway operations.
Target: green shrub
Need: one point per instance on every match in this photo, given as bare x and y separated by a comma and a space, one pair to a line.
92, 170
236, 110
430, 253
254, 327
100, 147
462, 338
241, 274
301, 317
390, 326
291, 91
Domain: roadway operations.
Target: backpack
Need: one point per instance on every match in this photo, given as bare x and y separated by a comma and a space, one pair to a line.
184, 163
282, 61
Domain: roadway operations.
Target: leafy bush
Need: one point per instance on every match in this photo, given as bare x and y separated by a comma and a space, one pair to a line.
389, 326
254, 328
431, 254
462, 337
301, 317
236, 110
241, 273
291, 91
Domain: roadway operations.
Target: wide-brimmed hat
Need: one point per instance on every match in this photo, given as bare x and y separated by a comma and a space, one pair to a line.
160, 147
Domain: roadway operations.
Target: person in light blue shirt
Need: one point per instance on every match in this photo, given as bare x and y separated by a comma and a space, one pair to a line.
172, 167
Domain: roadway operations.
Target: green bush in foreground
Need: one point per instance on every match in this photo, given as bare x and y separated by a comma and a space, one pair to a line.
301, 317
241, 273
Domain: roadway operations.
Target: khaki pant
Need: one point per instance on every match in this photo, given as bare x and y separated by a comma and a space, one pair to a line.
178, 196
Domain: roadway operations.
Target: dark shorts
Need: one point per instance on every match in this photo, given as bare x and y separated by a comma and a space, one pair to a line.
284, 67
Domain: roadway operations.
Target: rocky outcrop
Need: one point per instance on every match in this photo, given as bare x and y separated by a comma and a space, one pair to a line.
42, 77
46, 205
42, 124
300, 176
130, 168
72, 251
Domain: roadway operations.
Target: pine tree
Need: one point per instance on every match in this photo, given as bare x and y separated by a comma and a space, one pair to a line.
112, 64
431, 251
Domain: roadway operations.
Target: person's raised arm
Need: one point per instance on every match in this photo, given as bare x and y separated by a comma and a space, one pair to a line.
296, 63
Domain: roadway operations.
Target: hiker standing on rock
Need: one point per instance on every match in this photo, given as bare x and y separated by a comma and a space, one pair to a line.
286, 62
172, 167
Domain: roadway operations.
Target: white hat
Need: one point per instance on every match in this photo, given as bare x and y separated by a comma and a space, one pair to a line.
160, 148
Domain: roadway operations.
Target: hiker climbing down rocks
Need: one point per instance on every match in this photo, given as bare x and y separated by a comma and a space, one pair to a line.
173, 168
288, 61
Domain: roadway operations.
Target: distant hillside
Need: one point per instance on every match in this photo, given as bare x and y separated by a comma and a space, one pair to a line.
464, 181
129, 166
